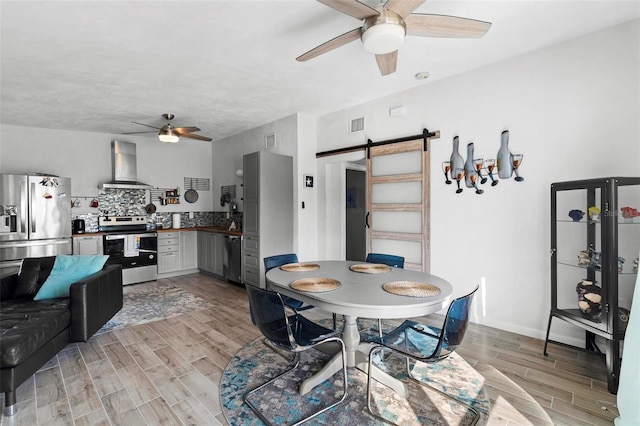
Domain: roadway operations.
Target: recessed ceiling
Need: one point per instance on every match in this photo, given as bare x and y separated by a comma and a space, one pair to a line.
228, 66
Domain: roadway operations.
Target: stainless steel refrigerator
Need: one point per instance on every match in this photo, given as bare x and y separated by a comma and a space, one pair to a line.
35, 218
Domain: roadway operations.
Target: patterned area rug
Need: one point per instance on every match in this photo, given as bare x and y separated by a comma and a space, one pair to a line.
152, 305
256, 363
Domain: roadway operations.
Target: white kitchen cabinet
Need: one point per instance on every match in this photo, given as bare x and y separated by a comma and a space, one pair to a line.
168, 252
211, 252
188, 250
87, 245
268, 212
177, 251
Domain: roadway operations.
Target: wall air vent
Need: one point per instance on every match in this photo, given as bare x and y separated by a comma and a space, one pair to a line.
357, 125
270, 141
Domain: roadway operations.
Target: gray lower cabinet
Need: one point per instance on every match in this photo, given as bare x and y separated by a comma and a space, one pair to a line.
87, 245
211, 252
188, 250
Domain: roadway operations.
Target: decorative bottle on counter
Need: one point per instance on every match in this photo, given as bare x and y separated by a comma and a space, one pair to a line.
505, 165
469, 167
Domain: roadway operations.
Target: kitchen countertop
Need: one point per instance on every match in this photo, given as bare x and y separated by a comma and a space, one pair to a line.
218, 229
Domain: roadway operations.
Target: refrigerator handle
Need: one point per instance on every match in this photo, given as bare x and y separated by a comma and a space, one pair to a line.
23, 208
33, 203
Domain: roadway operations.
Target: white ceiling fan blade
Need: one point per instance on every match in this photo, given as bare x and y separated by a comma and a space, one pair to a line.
341, 40
403, 7
445, 26
351, 7
387, 62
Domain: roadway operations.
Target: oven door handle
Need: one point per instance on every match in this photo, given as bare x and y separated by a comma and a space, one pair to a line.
114, 237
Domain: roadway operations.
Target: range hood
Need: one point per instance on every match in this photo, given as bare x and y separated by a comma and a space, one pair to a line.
124, 167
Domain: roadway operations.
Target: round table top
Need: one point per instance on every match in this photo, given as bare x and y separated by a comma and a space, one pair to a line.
362, 294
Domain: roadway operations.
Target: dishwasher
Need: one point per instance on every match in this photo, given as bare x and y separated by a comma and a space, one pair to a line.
232, 258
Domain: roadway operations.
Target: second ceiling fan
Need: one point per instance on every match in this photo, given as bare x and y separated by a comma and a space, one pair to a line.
384, 28
171, 134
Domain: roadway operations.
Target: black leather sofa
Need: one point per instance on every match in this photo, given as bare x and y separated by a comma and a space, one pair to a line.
32, 332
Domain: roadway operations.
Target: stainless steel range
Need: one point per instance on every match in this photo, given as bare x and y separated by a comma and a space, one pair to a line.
128, 243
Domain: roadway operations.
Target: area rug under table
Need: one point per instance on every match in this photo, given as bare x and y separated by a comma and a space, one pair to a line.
154, 304
256, 363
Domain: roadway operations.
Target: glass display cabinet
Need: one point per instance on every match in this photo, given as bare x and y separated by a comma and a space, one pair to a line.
595, 239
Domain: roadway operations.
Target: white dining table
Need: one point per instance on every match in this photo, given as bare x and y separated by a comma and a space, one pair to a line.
360, 295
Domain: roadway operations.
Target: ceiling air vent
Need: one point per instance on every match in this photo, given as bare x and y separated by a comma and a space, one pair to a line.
270, 141
357, 125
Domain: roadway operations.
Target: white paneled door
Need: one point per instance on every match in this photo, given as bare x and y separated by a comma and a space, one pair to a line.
398, 201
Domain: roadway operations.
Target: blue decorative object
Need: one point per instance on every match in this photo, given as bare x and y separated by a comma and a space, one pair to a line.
576, 215
66, 271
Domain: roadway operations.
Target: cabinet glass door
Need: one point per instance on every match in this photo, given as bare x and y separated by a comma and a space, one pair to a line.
628, 223
580, 288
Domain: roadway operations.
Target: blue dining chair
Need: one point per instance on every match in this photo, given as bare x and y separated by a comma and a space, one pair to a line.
294, 334
425, 343
386, 259
277, 261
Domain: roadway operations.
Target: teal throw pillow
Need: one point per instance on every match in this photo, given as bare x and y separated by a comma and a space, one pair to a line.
67, 270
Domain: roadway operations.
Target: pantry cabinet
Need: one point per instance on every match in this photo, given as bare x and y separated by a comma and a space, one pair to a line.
268, 212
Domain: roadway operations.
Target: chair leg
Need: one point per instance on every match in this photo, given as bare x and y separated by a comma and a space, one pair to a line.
344, 395
380, 335
476, 414
9, 404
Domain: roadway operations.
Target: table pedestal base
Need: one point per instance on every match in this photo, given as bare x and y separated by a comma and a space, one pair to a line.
358, 357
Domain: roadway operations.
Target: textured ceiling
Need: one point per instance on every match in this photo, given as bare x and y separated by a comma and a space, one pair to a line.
228, 66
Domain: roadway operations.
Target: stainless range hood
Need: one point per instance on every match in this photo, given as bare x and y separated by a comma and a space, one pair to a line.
124, 167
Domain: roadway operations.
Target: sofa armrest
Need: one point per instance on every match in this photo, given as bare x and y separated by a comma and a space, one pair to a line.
94, 301
7, 285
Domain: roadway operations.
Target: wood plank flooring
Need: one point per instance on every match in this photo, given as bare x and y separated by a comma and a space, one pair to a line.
168, 372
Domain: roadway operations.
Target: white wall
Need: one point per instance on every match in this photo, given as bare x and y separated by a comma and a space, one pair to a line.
306, 219
86, 158
295, 136
571, 109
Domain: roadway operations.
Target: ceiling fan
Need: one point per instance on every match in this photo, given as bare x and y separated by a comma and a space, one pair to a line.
385, 26
171, 134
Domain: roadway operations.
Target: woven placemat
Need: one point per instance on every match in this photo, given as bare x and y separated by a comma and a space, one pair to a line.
370, 268
300, 267
411, 288
315, 285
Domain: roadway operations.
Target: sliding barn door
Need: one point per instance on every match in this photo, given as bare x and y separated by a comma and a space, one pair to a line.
398, 201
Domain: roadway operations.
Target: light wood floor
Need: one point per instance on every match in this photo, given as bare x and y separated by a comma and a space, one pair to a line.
168, 372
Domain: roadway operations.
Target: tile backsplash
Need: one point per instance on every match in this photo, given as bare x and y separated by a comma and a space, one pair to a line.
132, 202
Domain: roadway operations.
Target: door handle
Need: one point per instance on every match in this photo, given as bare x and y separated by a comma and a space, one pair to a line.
33, 203
366, 220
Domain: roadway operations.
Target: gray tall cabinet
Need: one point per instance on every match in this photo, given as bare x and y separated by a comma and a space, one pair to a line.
268, 212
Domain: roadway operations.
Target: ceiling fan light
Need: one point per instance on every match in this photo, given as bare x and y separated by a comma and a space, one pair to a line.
168, 136
383, 38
